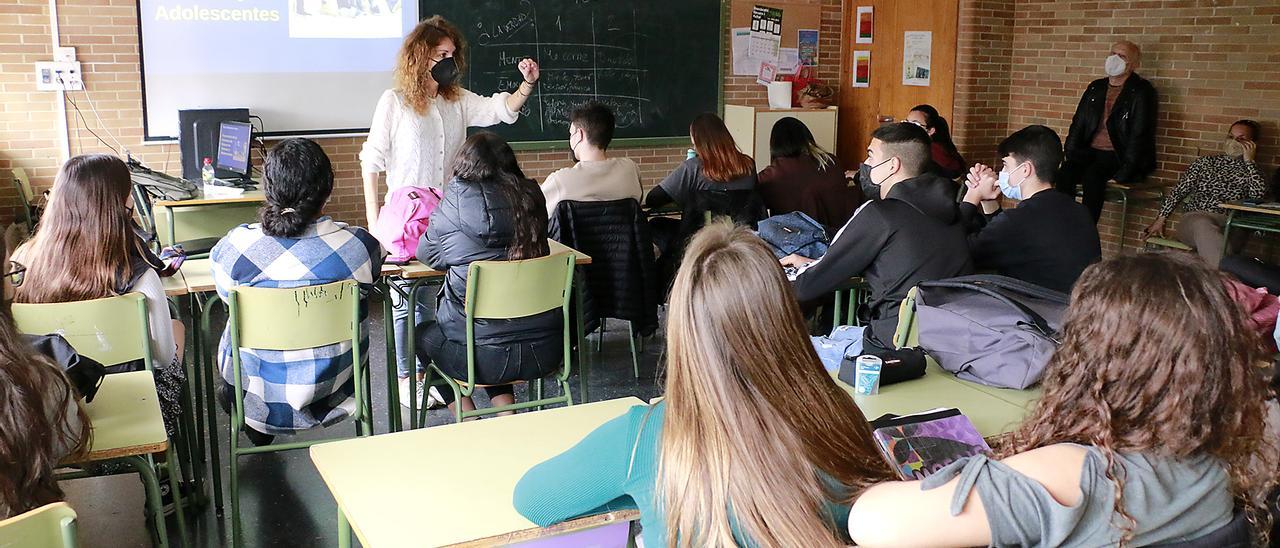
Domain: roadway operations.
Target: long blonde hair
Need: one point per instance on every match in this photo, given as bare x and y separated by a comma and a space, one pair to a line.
84, 244
756, 435
413, 64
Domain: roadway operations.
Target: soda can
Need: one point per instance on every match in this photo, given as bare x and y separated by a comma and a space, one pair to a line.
867, 375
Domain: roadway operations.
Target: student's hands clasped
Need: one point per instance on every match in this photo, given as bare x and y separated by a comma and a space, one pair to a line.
982, 184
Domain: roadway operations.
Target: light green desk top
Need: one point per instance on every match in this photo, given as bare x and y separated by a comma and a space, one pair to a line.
175, 285
125, 415
415, 269
453, 484
249, 197
198, 273
993, 411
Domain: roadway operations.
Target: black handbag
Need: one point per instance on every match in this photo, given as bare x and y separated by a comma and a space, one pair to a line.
84, 373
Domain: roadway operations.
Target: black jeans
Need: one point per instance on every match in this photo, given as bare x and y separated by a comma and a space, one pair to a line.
1091, 168
498, 365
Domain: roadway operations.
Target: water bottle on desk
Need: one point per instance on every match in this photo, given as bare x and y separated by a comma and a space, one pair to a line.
206, 174
691, 154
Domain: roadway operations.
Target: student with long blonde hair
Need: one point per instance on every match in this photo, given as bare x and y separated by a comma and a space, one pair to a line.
87, 247
754, 443
1150, 429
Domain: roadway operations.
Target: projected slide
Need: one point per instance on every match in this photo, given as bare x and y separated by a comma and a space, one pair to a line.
304, 66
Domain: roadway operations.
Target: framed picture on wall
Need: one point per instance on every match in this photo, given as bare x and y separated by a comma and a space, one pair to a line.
864, 25
862, 69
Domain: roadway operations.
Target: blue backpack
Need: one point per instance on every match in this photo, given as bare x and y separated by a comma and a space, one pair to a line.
796, 233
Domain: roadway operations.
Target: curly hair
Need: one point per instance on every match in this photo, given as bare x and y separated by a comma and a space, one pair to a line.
1157, 359
413, 64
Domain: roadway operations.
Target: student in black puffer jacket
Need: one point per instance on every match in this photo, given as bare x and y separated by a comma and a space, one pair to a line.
490, 212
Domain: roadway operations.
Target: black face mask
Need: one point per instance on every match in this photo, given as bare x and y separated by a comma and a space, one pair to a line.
445, 71
870, 189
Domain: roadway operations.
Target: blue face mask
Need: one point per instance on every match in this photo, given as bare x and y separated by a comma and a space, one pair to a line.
1012, 192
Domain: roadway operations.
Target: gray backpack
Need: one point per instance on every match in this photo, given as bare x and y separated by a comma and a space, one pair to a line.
990, 329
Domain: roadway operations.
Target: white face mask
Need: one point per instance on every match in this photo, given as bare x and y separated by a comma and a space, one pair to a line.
1115, 65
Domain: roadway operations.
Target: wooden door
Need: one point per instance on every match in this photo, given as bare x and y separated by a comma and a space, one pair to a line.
887, 99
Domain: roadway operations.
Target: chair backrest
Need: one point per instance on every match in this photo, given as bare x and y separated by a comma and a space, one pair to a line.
622, 276
48, 526
112, 330
22, 184
908, 334
297, 318
515, 289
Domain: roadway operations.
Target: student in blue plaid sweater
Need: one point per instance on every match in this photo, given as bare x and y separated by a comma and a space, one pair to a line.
294, 245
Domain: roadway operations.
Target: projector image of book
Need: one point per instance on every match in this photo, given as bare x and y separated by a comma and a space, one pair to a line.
920, 444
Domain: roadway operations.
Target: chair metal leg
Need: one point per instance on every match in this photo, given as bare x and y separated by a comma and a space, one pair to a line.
175, 472
152, 487
197, 439
1226, 231
600, 340
838, 311
584, 366
631, 337
1124, 216
233, 450
210, 366
393, 375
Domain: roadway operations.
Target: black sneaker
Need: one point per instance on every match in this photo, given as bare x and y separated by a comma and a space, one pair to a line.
258, 439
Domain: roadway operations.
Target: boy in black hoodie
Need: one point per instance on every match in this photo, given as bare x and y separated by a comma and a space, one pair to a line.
910, 235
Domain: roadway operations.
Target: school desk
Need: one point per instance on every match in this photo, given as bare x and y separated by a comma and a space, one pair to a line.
128, 427
419, 275
1123, 193
453, 484
1260, 217
993, 411
207, 217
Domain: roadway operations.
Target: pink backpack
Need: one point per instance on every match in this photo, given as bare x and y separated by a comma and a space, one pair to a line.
404, 220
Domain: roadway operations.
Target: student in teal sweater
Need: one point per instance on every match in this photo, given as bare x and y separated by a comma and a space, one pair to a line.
754, 444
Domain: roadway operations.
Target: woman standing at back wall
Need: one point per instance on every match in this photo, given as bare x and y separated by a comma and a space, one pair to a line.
417, 129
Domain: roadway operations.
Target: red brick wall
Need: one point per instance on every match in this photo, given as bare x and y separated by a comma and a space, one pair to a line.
105, 35
983, 61
1212, 62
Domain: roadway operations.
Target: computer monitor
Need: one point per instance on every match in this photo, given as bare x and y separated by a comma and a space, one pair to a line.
234, 139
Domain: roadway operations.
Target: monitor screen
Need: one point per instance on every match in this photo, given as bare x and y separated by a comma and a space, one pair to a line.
233, 147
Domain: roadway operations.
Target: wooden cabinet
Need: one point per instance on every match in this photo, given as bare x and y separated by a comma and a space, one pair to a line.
751, 126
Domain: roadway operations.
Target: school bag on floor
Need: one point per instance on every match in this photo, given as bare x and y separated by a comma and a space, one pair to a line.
990, 329
404, 220
794, 232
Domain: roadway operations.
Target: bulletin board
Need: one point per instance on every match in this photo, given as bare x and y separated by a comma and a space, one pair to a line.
796, 15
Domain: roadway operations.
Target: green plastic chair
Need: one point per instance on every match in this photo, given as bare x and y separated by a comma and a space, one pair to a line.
48, 526
908, 332
1153, 242
292, 319
514, 289
111, 330
855, 294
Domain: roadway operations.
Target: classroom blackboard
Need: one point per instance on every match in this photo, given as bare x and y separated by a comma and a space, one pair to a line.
656, 63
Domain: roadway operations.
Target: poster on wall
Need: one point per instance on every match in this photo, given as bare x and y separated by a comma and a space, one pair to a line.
861, 69
743, 64
766, 35
864, 25
807, 40
917, 55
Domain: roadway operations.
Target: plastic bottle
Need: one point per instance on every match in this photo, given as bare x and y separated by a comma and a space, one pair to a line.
206, 172
691, 154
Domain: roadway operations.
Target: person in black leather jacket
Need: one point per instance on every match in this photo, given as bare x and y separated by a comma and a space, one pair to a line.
490, 212
1113, 133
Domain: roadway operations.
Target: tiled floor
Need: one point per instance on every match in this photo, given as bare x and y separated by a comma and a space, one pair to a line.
284, 502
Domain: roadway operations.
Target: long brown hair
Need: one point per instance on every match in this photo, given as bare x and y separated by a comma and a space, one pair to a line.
1157, 359
82, 248
721, 160
487, 159
31, 440
755, 429
413, 64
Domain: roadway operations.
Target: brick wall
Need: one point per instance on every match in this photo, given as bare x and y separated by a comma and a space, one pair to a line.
105, 35
1212, 62
983, 60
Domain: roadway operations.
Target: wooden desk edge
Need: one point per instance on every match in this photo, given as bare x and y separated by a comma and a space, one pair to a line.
115, 453
198, 202
1250, 209
579, 524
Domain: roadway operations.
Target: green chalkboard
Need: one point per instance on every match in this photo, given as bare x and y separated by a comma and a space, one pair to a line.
656, 63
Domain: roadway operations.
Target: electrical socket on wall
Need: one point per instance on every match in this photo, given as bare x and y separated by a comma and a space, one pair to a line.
54, 75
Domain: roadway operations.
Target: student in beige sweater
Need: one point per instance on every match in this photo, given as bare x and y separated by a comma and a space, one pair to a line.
595, 177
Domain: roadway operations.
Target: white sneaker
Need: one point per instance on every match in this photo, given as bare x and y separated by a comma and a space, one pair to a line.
404, 393
433, 398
